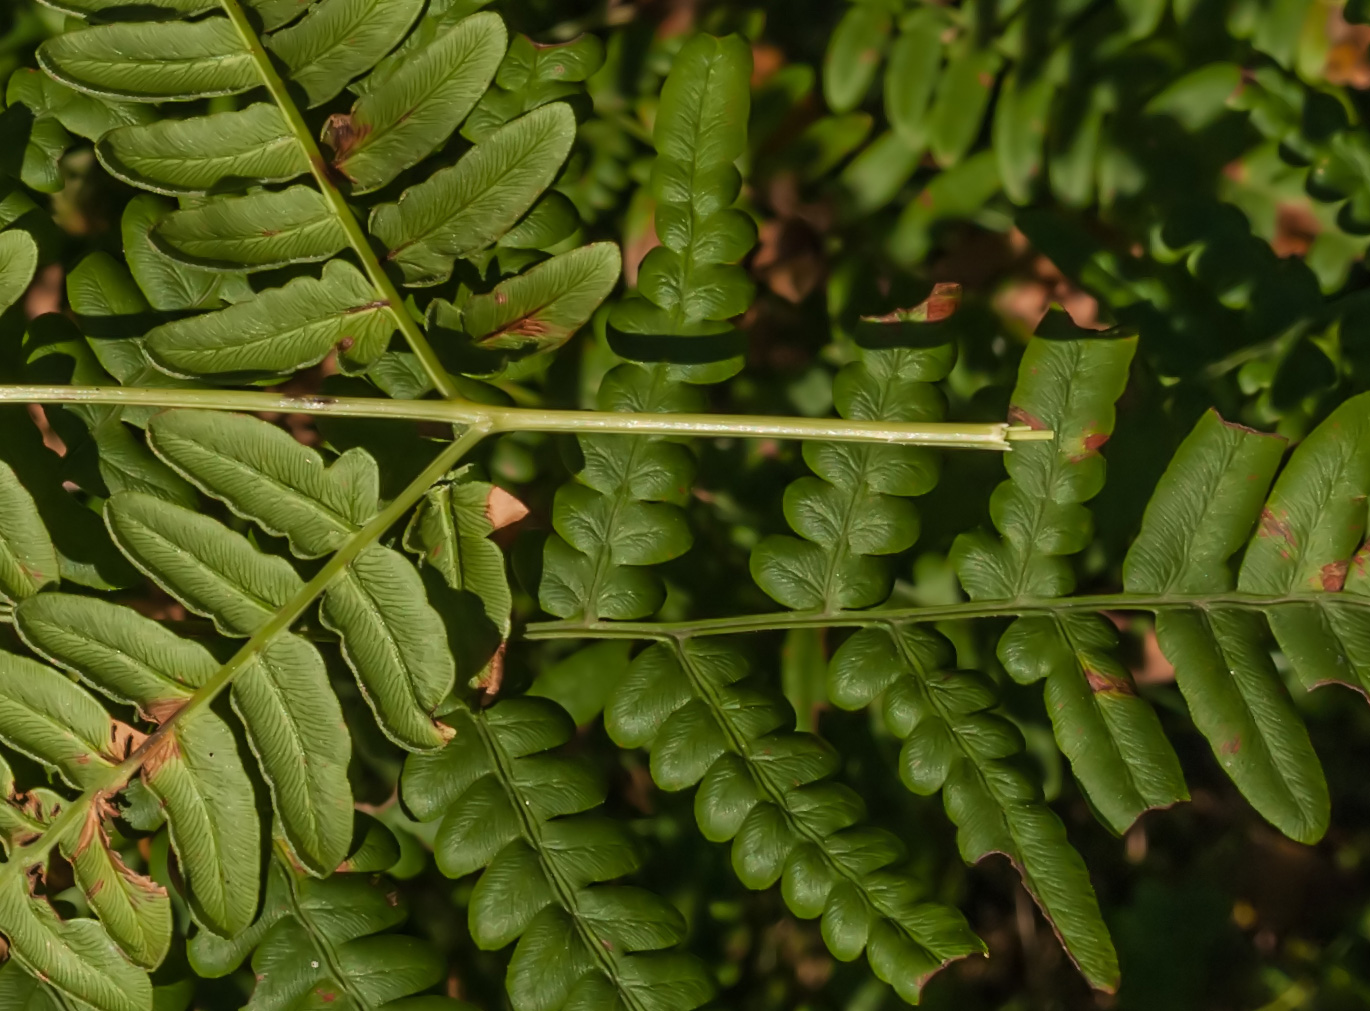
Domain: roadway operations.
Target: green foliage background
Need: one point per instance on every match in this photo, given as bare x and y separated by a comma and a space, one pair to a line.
1194, 172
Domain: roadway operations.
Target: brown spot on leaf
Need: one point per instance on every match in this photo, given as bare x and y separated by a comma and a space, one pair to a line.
345, 344
1018, 416
95, 889
1094, 441
528, 326
1276, 526
162, 709
380, 303
1231, 747
1332, 576
327, 996
1101, 683
503, 509
162, 748
343, 135
268, 233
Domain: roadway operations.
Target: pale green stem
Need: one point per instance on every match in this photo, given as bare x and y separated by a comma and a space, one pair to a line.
668, 630
356, 235
996, 436
290, 612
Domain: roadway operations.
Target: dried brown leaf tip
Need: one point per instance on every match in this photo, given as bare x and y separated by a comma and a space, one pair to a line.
503, 509
492, 676
941, 304
93, 826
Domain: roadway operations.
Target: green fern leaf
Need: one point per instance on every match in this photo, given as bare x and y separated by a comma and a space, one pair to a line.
194, 156
28, 560
153, 61
329, 941
1309, 539
691, 283
1204, 508
338, 40
134, 910
212, 570
531, 75
277, 13
76, 958
451, 531
542, 308
855, 52
914, 67
963, 92
267, 476
18, 263
126, 464
280, 331
98, 8
194, 771
623, 512
954, 744
168, 285
414, 101
54, 722
855, 509
395, 642
23, 992
82, 114
209, 799
460, 210
253, 232
114, 649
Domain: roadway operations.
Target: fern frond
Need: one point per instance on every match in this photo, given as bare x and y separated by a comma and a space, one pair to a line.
327, 941
953, 743
1301, 571
1111, 736
708, 722
623, 512
417, 79
391, 636
854, 512
521, 814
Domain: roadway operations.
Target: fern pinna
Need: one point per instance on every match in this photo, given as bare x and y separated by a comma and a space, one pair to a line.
310, 696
